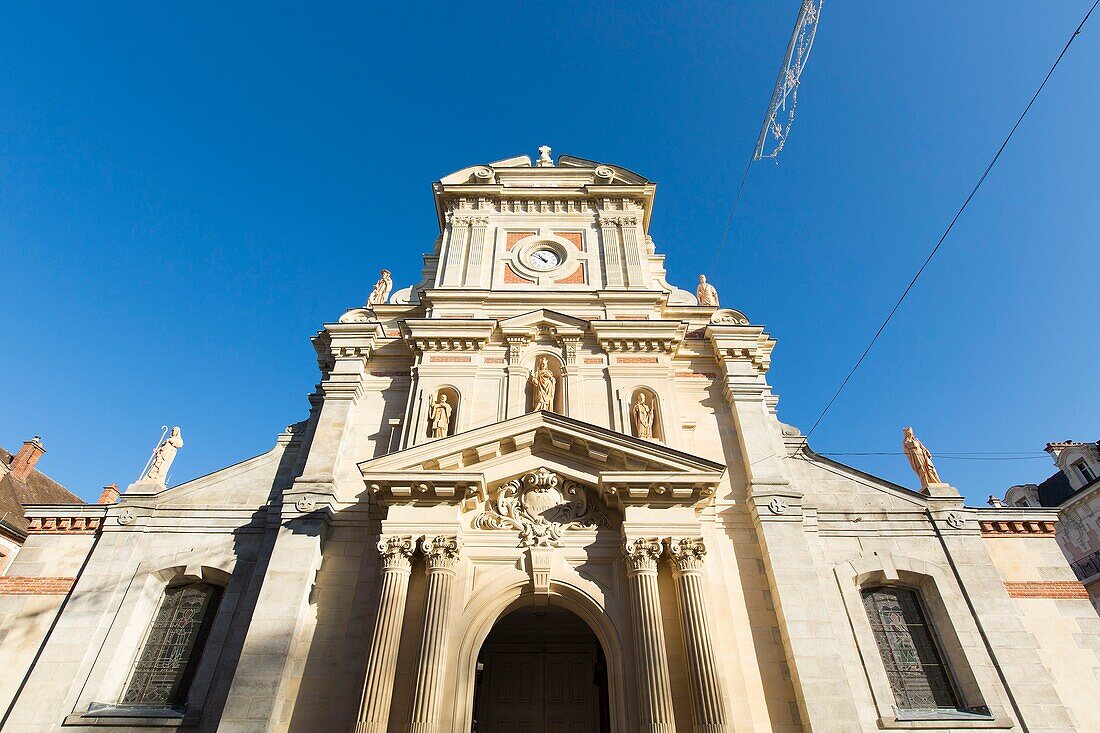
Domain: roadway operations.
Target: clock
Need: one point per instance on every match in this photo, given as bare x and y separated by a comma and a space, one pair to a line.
543, 259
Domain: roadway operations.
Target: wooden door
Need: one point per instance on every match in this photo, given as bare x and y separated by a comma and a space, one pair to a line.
538, 689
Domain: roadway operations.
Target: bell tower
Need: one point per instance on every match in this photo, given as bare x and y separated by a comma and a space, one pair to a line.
514, 228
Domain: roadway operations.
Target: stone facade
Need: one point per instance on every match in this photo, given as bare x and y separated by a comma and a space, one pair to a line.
381, 570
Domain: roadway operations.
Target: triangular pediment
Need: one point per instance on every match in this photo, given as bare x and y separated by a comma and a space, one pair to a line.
528, 323
624, 469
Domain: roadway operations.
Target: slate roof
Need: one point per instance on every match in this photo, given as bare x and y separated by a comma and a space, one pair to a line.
1055, 490
37, 489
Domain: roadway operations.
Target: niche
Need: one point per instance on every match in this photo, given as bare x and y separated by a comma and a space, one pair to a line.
546, 379
443, 412
645, 415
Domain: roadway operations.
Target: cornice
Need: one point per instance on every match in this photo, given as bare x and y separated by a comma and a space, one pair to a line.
447, 334
640, 335
734, 343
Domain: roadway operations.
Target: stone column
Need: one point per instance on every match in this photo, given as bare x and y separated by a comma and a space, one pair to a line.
686, 558
374, 711
440, 557
654, 690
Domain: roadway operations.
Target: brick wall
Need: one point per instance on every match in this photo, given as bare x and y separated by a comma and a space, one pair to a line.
1056, 589
29, 585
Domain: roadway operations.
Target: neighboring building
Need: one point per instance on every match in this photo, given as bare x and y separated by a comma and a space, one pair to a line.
1074, 490
603, 527
20, 484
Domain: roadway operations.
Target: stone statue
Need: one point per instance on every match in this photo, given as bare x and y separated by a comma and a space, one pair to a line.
643, 417
920, 459
545, 384
441, 417
544, 161
706, 293
163, 457
381, 290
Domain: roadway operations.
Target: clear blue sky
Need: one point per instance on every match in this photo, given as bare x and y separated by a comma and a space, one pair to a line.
187, 192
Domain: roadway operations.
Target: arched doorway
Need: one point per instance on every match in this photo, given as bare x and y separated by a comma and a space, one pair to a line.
541, 669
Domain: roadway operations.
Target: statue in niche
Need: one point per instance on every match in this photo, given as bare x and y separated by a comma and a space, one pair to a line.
441, 417
643, 417
920, 459
163, 456
706, 293
545, 384
381, 290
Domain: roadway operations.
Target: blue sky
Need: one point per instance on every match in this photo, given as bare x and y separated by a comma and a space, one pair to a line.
188, 191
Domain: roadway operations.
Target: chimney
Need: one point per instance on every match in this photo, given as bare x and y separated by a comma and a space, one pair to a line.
110, 494
28, 455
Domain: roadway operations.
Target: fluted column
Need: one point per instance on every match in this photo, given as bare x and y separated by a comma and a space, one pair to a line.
654, 690
686, 557
440, 558
374, 711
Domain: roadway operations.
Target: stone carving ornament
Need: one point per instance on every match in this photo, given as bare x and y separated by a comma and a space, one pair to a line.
541, 507
440, 551
686, 553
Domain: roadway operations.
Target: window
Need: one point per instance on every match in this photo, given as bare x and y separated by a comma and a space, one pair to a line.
914, 666
1085, 471
164, 670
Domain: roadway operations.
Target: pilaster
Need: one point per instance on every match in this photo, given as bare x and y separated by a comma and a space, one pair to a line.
261, 695
825, 698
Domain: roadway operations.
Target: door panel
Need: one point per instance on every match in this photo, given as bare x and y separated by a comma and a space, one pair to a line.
538, 690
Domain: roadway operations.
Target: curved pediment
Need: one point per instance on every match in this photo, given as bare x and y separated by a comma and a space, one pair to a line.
623, 469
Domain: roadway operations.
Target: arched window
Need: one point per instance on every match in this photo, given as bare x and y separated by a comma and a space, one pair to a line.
914, 665
168, 660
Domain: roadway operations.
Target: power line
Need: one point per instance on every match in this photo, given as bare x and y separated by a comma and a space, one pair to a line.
945, 456
950, 226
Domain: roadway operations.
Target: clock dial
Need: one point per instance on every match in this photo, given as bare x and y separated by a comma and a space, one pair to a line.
544, 259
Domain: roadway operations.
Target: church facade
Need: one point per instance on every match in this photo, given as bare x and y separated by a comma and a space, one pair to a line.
543, 490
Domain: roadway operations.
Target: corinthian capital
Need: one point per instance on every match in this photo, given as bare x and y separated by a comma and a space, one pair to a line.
686, 553
396, 552
441, 551
642, 553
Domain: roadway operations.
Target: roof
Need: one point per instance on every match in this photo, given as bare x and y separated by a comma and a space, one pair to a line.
37, 489
1057, 489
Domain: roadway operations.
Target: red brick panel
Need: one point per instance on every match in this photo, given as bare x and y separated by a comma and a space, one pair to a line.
514, 237
30, 585
1056, 589
574, 237
578, 276
511, 276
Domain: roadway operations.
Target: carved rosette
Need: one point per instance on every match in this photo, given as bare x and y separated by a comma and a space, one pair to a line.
397, 552
686, 554
541, 506
441, 552
642, 554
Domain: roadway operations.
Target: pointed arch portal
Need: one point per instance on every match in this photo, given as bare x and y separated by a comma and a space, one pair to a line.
541, 669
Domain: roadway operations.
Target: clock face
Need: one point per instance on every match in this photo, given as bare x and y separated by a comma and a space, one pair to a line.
544, 259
